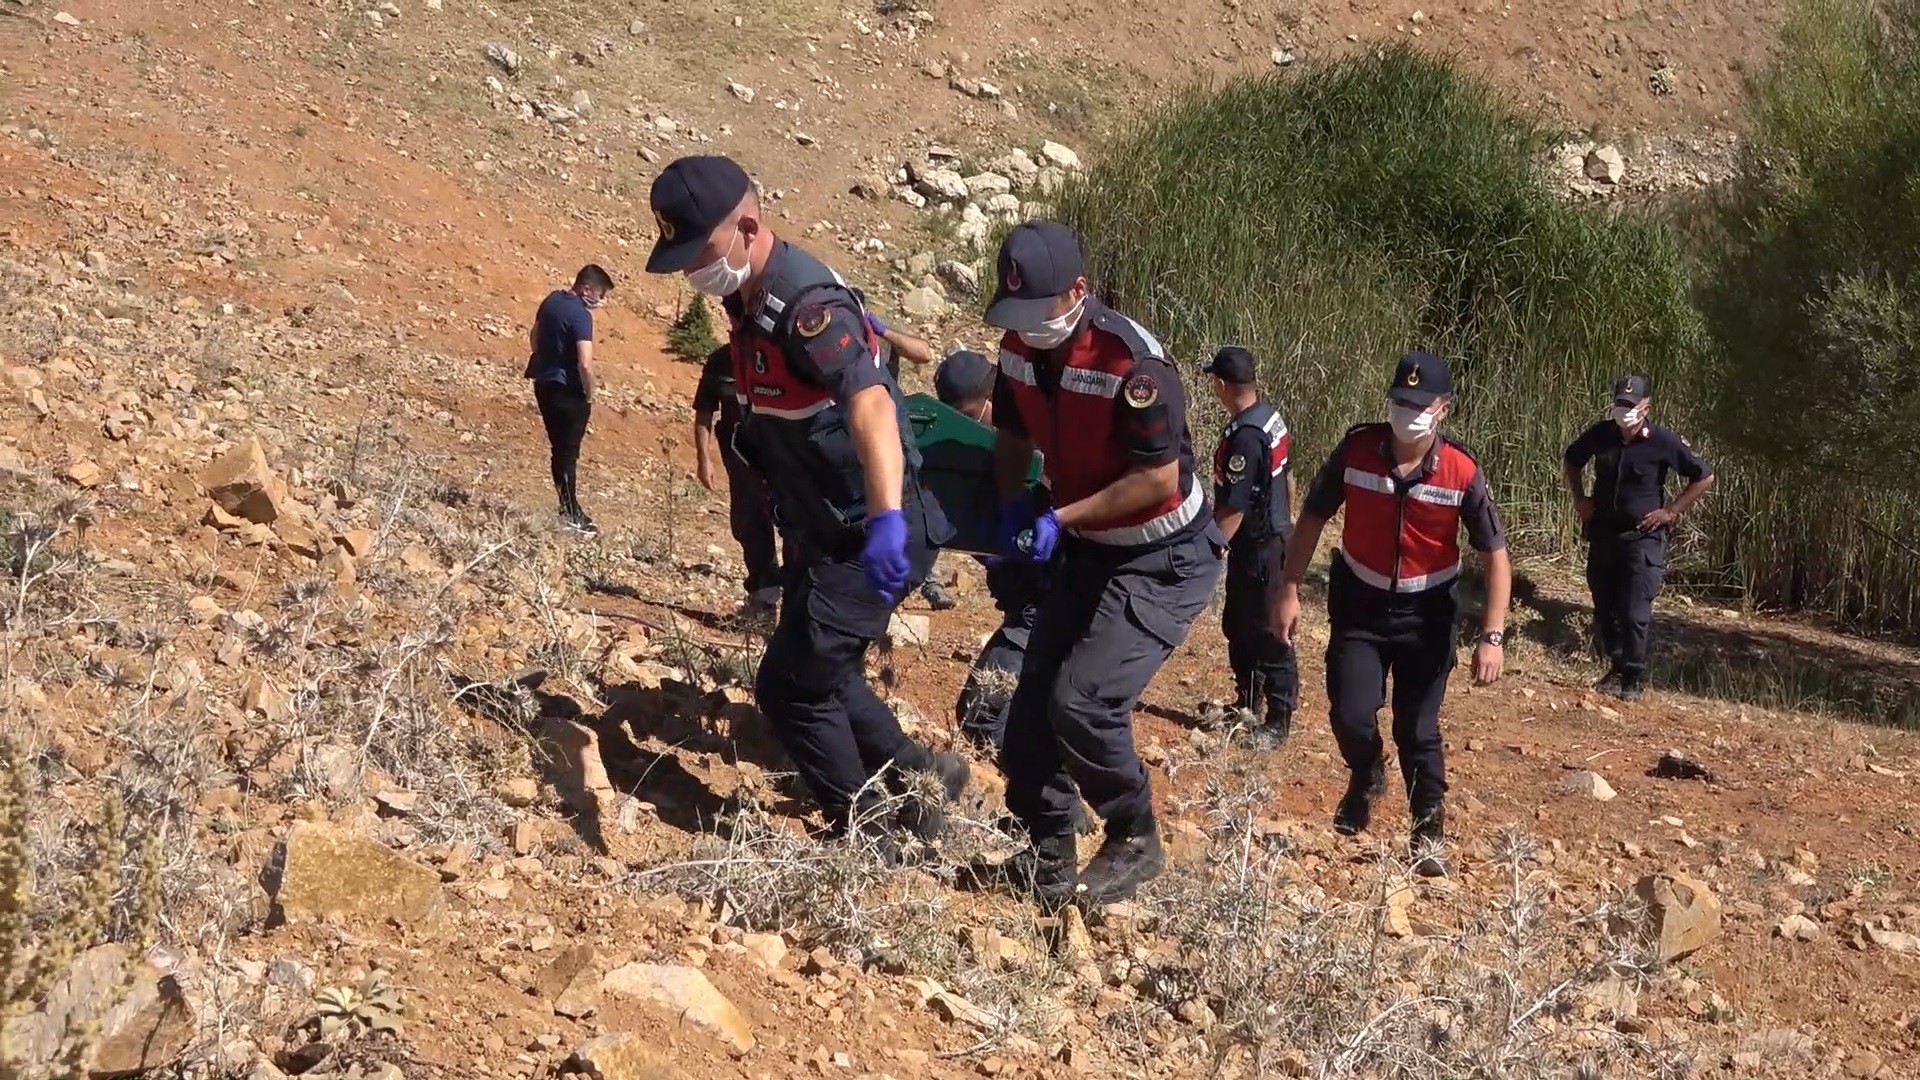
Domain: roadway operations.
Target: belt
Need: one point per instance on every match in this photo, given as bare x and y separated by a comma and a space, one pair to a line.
1417, 583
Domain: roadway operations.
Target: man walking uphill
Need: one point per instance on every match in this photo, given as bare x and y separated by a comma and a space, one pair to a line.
1251, 493
1407, 489
826, 427
1626, 522
561, 367
1138, 557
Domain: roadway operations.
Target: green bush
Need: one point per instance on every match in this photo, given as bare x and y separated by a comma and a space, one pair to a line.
1333, 219
691, 336
1813, 295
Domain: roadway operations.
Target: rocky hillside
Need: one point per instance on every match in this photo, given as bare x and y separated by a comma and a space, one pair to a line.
429, 789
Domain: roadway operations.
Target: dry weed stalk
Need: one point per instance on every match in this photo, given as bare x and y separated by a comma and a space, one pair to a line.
39, 946
1295, 980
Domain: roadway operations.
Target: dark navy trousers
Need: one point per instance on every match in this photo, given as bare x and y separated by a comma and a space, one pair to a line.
1109, 620
1623, 576
1263, 665
812, 685
1410, 637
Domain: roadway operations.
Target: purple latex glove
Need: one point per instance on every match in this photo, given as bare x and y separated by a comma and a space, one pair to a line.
1037, 544
885, 555
879, 328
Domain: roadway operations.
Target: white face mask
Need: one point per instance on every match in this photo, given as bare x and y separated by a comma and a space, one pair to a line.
1630, 417
1411, 424
1054, 330
720, 277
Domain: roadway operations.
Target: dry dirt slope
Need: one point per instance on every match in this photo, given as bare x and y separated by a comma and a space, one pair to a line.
279, 222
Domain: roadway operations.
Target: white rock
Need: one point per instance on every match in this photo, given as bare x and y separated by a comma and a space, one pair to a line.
1060, 155
959, 277
582, 103
1051, 180
911, 631
1590, 784
66, 19
910, 197
1282, 58
973, 228
1606, 166
1798, 928
504, 58
985, 185
744, 93
637, 28
943, 184
433, 5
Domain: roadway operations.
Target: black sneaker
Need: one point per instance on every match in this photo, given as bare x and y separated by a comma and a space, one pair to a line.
579, 522
1355, 811
1430, 841
937, 597
1271, 735
1130, 857
1046, 871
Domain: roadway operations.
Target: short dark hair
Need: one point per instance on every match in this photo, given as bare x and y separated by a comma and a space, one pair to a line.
592, 277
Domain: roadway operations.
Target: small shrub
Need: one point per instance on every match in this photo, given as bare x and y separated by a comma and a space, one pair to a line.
691, 337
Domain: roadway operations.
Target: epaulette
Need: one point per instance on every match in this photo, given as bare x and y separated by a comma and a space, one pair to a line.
1143, 345
1460, 446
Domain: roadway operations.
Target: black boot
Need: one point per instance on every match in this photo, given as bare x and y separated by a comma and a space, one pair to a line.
1355, 811
937, 596
865, 825
1130, 857
1632, 685
930, 780
1047, 871
1430, 838
1271, 734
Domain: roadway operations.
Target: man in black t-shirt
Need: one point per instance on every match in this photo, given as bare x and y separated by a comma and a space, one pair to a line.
716, 416
1626, 520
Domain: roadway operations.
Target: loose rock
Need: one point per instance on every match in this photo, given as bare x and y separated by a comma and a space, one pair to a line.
625, 1056
1590, 784
684, 993
149, 1024
1682, 914
241, 484
326, 871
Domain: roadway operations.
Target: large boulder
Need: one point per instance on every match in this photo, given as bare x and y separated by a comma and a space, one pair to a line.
327, 871
684, 993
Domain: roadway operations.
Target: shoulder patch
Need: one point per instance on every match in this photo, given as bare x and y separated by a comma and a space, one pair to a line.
1236, 465
811, 320
1142, 390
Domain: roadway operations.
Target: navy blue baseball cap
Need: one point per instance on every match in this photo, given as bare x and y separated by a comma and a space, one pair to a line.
692, 197
962, 377
1420, 379
1038, 261
1232, 364
1631, 390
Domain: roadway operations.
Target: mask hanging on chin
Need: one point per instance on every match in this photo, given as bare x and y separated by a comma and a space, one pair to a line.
720, 277
1054, 330
1409, 423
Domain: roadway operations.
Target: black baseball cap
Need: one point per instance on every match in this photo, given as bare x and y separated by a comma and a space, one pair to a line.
1420, 379
964, 376
1631, 390
1038, 261
1233, 364
691, 197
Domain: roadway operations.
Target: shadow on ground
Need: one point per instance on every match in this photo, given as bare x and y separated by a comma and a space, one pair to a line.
1763, 666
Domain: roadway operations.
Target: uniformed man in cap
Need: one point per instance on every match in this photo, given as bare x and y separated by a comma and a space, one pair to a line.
825, 425
1626, 521
1137, 558
1407, 489
716, 420
1251, 503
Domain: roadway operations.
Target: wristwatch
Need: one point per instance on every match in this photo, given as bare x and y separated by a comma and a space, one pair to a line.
1494, 637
